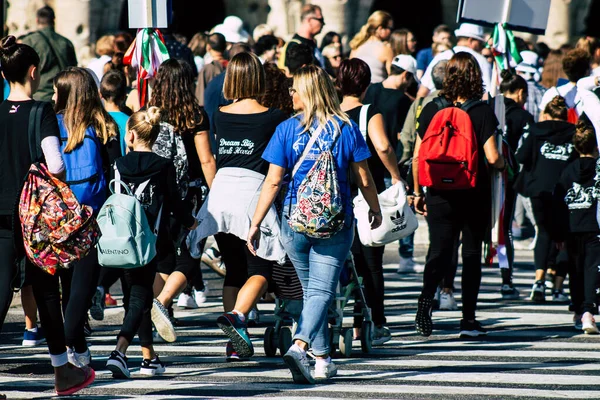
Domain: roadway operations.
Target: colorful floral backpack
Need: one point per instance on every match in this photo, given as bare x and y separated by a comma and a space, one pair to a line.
319, 211
57, 230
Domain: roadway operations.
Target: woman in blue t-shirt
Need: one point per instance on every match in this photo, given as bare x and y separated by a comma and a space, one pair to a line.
318, 262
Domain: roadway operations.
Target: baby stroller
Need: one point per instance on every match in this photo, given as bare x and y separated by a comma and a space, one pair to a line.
288, 307
349, 287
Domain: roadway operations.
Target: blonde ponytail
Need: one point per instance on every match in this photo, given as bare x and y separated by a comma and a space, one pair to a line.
377, 19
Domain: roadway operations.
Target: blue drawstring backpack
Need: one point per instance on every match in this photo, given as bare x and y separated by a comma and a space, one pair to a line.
83, 165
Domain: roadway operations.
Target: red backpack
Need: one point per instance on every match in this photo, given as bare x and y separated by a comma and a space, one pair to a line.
448, 156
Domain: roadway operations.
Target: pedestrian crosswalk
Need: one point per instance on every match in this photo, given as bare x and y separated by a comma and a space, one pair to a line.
531, 352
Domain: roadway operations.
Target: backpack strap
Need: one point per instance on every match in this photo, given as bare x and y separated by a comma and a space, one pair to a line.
34, 131
118, 183
309, 146
362, 121
469, 104
62, 63
441, 102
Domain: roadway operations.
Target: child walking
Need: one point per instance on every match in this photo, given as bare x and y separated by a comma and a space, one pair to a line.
138, 166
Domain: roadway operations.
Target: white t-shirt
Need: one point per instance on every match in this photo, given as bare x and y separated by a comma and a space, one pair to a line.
486, 68
568, 91
97, 65
589, 102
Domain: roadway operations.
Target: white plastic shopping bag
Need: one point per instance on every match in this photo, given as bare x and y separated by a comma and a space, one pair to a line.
398, 220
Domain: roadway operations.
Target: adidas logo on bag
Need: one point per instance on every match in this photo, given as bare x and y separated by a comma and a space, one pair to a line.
399, 220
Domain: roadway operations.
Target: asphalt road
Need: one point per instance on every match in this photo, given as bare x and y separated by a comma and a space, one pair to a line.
532, 352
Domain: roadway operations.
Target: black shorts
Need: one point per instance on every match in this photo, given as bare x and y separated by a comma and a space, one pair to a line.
240, 263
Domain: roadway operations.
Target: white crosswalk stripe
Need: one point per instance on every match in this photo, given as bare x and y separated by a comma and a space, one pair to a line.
532, 352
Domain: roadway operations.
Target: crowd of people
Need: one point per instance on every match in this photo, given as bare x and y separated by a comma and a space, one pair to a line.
228, 144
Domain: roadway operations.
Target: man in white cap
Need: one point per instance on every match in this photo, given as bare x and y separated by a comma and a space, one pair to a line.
528, 69
470, 39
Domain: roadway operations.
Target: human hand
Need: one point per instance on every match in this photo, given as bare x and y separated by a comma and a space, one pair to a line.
420, 206
253, 239
375, 219
193, 227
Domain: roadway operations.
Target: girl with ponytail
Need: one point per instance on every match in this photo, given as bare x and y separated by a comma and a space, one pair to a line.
369, 44
138, 166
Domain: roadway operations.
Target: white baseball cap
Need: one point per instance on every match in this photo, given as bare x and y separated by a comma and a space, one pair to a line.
470, 31
406, 62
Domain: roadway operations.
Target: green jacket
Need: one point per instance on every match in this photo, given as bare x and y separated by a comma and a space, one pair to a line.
56, 53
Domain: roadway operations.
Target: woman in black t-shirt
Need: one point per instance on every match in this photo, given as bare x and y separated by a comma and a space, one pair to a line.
20, 67
352, 81
451, 212
173, 93
243, 129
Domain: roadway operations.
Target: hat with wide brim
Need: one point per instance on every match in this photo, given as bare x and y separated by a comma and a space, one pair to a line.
470, 31
232, 29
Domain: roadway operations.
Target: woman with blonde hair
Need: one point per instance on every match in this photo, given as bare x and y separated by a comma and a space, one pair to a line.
369, 44
293, 151
105, 51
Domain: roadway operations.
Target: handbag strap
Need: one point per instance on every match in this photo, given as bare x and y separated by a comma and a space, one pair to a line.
62, 63
309, 146
362, 120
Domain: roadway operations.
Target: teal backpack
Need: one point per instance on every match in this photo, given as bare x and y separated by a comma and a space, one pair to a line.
127, 240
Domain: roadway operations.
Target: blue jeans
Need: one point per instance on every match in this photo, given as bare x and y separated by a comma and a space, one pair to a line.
318, 263
407, 246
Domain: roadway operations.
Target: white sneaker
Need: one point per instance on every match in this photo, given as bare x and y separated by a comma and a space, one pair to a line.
299, 366
408, 265
201, 295
325, 370
448, 302
186, 301
588, 323
79, 360
152, 367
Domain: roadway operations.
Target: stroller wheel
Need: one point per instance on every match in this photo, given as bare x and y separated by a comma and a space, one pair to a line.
285, 340
366, 337
269, 343
346, 343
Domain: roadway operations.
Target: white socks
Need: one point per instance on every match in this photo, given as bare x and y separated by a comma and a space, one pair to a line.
59, 360
240, 315
33, 330
323, 361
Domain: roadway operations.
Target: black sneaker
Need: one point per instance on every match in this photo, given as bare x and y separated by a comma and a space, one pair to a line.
117, 364
423, 322
152, 367
87, 329
471, 329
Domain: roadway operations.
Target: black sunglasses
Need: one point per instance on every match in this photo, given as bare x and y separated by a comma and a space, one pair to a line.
321, 20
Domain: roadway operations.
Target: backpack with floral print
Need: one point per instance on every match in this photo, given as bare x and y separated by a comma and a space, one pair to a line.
170, 145
319, 211
57, 230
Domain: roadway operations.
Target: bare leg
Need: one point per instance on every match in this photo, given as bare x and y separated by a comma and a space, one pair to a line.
159, 283
29, 307
230, 294
250, 293
148, 353
175, 284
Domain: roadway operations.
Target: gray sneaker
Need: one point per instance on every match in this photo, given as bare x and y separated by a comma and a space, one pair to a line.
162, 322
325, 370
381, 335
297, 362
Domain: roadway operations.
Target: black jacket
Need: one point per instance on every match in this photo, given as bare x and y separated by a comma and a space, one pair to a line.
518, 123
137, 167
575, 200
544, 155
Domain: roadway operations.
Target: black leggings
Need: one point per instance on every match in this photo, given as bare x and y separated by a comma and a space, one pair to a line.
509, 213
46, 291
584, 277
137, 319
7, 270
79, 285
369, 265
241, 264
447, 217
545, 253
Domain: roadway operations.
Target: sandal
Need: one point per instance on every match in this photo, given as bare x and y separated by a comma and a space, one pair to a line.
89, 378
